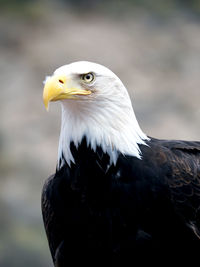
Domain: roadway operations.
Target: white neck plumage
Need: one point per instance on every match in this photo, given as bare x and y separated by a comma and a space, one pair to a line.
112, 125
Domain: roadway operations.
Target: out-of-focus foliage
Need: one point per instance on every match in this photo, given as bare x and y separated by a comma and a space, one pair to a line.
153, 46
158, 6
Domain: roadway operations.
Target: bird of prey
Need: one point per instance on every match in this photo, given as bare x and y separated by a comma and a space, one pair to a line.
117, 196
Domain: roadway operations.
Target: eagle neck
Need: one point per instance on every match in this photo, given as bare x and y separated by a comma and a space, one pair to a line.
96, 124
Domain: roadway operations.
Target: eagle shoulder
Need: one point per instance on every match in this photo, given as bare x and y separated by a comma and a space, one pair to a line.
180, 162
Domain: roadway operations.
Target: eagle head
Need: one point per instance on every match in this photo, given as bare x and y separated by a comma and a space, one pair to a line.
96, 105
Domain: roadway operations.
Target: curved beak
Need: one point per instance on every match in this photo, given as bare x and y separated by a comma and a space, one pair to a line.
56, 88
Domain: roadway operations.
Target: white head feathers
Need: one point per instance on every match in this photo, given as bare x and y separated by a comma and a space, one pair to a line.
105, 117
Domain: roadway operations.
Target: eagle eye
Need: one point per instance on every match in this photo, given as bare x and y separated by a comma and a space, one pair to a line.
88, 77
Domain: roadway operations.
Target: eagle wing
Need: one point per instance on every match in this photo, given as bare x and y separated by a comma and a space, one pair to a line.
51, 222
183, 177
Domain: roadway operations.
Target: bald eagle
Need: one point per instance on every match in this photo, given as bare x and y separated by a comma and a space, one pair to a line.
117, 195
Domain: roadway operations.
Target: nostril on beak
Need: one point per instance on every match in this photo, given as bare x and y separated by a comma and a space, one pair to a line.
61, 81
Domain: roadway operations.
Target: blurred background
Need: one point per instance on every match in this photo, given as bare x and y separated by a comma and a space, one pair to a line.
153, 46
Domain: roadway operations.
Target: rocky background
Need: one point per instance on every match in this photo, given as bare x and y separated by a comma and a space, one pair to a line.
153, 46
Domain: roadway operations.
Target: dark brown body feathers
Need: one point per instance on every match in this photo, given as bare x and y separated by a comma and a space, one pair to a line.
101, 215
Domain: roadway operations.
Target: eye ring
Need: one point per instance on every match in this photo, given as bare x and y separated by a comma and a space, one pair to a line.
88, 77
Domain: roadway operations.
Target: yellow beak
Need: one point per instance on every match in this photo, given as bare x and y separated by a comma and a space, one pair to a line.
56, 88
